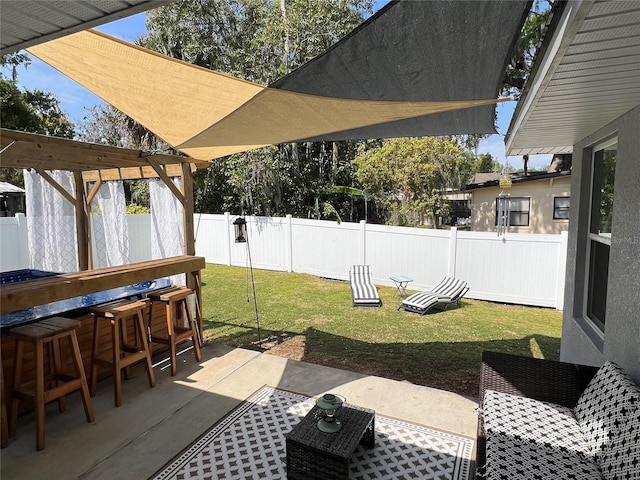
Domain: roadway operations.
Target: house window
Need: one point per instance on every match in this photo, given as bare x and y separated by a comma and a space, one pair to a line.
518, 211
561, 208
602, 183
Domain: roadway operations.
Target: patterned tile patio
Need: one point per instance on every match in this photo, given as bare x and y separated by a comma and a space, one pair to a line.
155, 424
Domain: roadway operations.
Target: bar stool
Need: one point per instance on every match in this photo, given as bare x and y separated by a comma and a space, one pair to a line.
178, 313
54, 385
123, 353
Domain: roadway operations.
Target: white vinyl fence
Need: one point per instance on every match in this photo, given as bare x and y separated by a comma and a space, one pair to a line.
515, 268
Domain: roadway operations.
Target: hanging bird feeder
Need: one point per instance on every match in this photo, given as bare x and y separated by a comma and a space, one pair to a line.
240, 227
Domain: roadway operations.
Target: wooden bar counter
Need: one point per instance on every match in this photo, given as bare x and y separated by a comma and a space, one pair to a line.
33, 293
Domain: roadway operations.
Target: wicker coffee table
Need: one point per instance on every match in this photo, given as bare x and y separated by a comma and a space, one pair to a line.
315, 455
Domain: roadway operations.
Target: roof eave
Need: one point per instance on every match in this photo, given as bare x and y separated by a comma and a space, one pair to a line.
127, 11
563, 26
519, 179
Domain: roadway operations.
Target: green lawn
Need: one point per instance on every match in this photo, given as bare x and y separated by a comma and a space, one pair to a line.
304, 317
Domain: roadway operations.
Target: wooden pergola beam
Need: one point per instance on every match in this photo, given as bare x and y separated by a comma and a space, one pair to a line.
99, 163
32, 150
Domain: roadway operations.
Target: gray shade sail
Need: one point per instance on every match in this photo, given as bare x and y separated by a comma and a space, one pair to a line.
419, 51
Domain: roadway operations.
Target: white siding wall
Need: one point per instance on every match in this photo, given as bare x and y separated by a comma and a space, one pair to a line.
517, 268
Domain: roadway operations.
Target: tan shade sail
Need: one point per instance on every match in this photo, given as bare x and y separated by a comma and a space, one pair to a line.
206, 114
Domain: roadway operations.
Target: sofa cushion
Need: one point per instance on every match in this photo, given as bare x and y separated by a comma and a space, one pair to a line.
534, 421
604, 407
510, 458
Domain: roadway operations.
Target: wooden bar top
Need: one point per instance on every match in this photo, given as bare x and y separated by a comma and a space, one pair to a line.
20, 296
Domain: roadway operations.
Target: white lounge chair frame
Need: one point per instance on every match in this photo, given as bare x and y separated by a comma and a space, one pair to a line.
448, 292
363, 292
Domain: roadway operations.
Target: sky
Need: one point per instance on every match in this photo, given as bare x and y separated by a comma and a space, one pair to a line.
76, 101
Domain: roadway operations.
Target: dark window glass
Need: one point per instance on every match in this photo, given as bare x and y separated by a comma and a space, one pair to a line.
600, 228
604, 167
598, 273
518, 211
561, 208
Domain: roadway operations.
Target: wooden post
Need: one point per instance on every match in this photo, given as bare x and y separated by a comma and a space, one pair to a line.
187, 192
193, 278
82, 224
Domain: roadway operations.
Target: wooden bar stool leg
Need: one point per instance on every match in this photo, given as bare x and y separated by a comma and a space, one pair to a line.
149, 323
191, 326
17, 380
124, 340
84, 391
145, 346
94, 353
171, 318
39, 350
117, 374
55, 363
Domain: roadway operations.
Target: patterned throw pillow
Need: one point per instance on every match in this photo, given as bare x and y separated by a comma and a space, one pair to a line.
603, 408
533, 421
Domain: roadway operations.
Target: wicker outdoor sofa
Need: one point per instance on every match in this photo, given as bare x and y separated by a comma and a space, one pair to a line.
546, 420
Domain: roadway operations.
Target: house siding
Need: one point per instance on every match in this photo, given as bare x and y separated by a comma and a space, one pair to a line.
581, 342
541, 192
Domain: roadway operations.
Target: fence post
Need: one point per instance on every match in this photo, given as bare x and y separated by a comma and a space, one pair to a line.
561, 269
227, 240
289, 243
23, 240
453, 249
363, 242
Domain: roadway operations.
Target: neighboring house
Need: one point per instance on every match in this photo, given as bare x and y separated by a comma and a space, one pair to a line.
11, 200
583, 97
538, 202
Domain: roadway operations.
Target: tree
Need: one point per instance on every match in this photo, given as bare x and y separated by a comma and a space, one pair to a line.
13, 61
107, 125
33, 111
30, 111
408, 177
486, 164
262, 40
526, 47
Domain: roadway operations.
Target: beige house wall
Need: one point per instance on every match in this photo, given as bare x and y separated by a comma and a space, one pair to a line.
541, 194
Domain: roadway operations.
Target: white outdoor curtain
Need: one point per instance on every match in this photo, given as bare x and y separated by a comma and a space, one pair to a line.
167, 238
51, 223
109, 227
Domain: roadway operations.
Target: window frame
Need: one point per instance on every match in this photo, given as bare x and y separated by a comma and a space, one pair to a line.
602, 239
556, 208
511, 211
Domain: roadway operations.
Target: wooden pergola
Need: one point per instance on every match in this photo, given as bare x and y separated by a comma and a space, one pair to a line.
93, 164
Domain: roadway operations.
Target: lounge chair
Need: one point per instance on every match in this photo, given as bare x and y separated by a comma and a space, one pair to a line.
448, 292
363, 292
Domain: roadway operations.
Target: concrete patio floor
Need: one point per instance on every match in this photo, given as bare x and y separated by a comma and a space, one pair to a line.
154, 424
